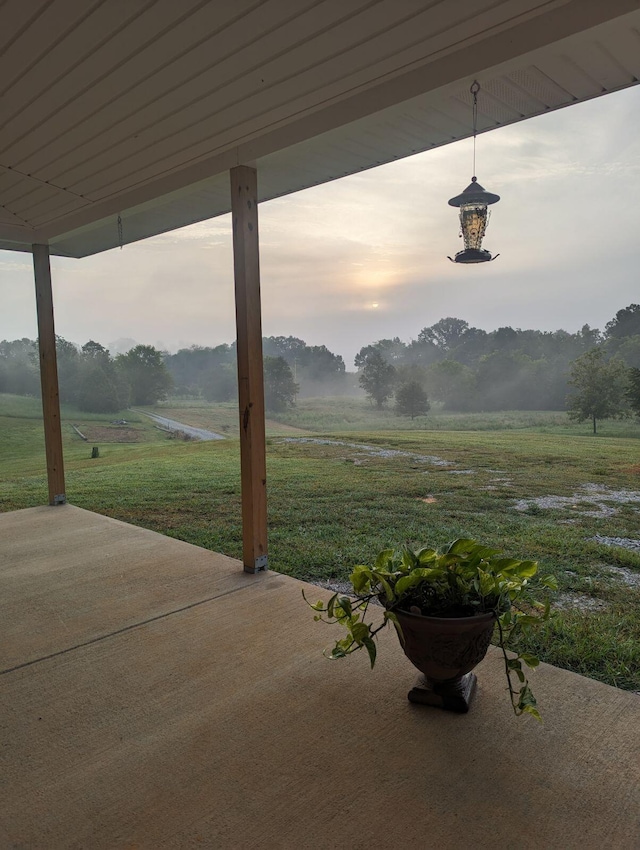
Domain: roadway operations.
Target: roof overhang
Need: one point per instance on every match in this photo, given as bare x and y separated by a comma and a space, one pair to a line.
144, 120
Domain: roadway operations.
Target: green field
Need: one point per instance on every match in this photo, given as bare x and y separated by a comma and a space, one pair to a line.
346, 415
333, 504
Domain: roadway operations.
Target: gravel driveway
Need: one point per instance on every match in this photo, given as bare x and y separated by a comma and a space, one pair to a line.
172, 425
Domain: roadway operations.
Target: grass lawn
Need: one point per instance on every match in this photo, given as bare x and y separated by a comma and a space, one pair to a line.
333, 503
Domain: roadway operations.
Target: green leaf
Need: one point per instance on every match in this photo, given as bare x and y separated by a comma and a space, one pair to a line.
527, 569
383, 559
504, 565
527, 620
529, 660
417, 576
526, 697
370, 646
345, 603
408, 559
360, 632
487, 583
549, 581
331, 604
461, 546
360, 578
387, 589
337, 652
391, 616
426, 556
530, 709
471, 549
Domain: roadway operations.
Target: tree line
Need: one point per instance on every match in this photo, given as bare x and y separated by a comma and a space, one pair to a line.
469, 369
590, 373
88, 376
210, 373
92, 379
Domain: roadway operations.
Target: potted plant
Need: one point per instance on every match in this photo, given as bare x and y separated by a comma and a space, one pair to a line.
446, 607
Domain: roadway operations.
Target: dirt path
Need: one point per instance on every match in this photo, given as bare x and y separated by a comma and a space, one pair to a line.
172, 425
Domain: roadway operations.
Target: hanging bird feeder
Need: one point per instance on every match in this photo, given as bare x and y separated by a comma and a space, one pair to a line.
473, 203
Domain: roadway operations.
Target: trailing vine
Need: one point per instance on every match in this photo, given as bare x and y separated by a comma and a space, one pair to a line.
467, 578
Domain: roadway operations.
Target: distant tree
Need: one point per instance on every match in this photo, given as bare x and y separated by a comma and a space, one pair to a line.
589, 336
146, 373
200, 371
446, 334
411, 371
600, 388
280, 390
506, 339
411, 400
288, 347
422, 352
69, 363
98, 390
220, 383
19, 367
510, 380
628, 350
317, 363
377, 377
472, 344
394, 351
317, 369
452, 383
101, 387
625, 323
633, 390
94, 350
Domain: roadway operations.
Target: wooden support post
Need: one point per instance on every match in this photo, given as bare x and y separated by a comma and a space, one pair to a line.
49, 375
244, 210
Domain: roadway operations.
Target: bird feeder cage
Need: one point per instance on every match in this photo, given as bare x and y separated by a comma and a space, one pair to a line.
473, 203
474, 217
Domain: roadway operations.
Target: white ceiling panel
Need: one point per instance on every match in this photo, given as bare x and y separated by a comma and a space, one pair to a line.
139, 108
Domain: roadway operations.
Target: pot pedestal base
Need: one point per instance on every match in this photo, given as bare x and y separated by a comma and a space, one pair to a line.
455, 695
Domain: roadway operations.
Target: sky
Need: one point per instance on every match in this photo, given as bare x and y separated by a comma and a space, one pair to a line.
365, 257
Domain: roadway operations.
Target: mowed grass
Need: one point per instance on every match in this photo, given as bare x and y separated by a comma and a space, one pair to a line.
22, 437
332, 505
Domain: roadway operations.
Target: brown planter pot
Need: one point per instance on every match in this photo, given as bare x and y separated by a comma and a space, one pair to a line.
445, 650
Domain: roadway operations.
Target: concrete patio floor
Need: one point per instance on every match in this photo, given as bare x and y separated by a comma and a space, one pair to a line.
155, 696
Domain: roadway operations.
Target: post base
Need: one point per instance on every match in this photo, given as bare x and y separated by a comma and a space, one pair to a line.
454, 695
260, 565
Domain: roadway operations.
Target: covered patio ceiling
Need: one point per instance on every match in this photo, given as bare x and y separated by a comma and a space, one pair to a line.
139, 109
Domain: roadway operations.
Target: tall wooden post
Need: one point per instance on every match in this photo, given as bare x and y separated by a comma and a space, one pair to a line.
49, 375
244, 210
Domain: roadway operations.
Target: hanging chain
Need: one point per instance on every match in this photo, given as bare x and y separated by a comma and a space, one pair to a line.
475, 88
120, 239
